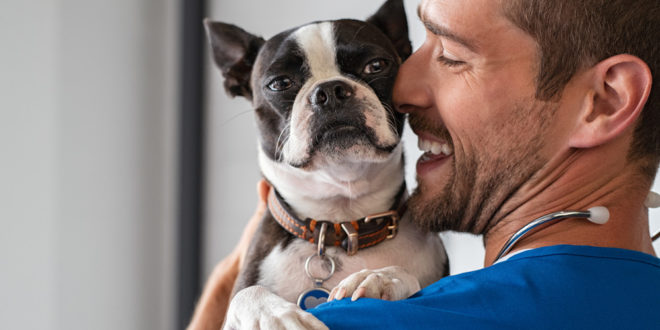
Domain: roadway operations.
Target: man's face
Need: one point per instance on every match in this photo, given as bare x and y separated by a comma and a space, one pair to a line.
469, 91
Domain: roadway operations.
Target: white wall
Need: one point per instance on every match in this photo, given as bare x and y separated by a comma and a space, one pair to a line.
232, 168
28, 160
87, 106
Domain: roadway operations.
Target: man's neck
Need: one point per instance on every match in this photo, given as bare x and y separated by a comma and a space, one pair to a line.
579, 180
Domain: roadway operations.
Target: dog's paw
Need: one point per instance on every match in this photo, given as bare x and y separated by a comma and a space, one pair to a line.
389, 283
257, 308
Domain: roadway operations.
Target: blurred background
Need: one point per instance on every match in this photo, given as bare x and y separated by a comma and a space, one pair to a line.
126, 172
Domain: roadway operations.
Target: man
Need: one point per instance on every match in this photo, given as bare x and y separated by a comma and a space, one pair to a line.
548, 106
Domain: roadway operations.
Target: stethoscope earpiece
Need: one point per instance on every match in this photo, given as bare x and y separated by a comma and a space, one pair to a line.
652, 200
599, 214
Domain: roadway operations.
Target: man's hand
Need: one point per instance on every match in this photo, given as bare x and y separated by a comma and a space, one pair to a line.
212, 306
257, 308
389, 283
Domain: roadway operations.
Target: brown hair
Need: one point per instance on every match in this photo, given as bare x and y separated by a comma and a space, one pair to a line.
575, 34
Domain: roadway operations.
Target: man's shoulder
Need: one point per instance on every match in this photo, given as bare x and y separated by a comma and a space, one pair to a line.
552, 270
551, 285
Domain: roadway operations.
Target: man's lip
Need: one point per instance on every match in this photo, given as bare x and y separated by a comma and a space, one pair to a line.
428, 162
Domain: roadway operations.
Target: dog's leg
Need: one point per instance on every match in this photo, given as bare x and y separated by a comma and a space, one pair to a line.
257, 308
388, 283
267, 236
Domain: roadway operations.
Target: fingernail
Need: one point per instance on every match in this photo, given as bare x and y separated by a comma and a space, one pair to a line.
341, 293
357, 294
332, 294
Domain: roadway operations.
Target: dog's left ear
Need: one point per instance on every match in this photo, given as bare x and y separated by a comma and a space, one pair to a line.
391, 19
234, 52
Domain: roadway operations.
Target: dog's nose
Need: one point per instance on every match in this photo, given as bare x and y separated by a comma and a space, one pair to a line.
331, 94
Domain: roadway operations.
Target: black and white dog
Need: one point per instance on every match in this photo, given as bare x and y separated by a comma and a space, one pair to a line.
329, 143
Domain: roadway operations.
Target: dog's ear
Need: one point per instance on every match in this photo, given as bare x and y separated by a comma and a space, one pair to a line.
234, 52
391, 19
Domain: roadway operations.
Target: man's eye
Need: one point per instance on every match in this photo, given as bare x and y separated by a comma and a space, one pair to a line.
375, 66
449, 62
280, 84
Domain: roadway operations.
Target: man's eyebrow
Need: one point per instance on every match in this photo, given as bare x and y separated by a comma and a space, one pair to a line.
444, 32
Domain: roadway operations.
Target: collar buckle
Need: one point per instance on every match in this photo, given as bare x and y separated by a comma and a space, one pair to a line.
394, 227
394, 224
389, 214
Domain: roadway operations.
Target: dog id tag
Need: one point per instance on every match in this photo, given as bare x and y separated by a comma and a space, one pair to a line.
312, 298
318, 295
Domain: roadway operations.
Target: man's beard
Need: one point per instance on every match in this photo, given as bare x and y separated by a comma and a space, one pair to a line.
478, 185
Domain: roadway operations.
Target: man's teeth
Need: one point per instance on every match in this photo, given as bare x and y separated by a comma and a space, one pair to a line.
434, 147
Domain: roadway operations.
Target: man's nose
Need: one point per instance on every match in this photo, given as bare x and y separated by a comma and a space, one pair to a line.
411, 88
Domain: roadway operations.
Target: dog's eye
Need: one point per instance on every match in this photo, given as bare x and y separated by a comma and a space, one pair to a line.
375, 66
280, 84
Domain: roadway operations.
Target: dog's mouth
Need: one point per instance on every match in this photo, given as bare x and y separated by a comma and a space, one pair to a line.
338, 131
344, 138
342, 134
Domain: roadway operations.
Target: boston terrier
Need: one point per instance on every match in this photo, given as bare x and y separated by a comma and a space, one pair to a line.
330, 146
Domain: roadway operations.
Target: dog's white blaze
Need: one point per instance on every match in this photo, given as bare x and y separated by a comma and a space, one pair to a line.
318, 43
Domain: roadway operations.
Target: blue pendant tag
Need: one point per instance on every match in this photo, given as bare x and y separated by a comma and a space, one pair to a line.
312, 298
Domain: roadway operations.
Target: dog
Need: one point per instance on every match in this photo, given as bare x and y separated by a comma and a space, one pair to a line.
330, 146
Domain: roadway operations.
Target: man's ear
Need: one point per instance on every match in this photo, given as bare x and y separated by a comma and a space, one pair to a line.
621, 87
391, 19
234, 52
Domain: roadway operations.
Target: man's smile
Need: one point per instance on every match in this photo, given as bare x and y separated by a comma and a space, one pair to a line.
436, 152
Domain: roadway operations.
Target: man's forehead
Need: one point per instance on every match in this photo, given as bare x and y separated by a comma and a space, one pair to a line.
436, 20
472, 23
463, 5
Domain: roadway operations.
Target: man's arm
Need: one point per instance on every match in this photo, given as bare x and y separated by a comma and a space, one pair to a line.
212, 306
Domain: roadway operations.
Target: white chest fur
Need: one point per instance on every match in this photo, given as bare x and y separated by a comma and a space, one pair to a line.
325, 195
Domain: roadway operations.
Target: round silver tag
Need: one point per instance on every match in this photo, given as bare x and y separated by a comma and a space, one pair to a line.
312, 298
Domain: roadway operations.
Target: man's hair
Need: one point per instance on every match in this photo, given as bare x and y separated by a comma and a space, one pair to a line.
576, 34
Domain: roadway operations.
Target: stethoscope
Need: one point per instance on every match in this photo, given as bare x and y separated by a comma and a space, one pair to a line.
598, 215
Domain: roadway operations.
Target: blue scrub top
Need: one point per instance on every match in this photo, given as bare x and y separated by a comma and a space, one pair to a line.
556, 287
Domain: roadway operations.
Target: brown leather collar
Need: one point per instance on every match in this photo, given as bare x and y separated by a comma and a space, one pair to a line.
350, 235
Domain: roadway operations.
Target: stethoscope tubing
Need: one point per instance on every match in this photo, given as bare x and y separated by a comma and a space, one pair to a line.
556, 216
601, 216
